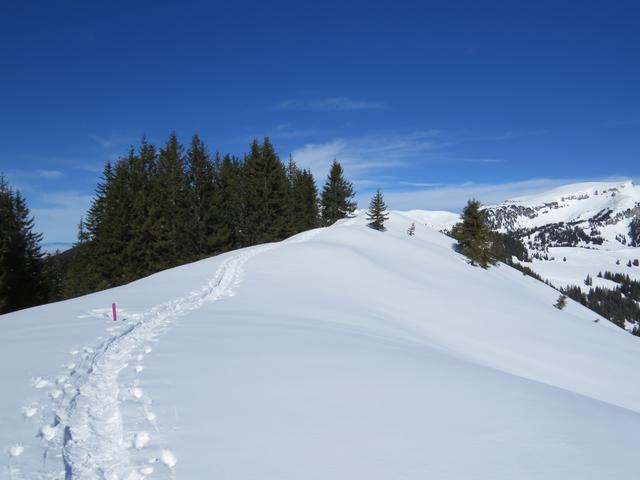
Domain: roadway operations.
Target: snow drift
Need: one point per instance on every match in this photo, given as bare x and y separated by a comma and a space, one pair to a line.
340, 353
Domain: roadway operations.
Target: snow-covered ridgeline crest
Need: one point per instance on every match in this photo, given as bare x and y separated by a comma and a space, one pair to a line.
597, 214
85, 425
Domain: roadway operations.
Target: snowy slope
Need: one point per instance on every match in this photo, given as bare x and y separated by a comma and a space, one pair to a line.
603, 211
604, 208
437, 219
341, 353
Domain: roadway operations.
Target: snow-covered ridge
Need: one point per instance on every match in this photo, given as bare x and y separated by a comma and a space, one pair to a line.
342, 353
597, 214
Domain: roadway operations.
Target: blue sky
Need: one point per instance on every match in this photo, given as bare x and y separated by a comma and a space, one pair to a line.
431, 101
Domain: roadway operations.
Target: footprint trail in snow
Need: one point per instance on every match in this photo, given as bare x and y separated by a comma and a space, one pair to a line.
83, 428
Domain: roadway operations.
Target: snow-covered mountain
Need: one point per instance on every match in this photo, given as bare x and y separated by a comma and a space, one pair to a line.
340, 353
570, 232
577, 230
596, 214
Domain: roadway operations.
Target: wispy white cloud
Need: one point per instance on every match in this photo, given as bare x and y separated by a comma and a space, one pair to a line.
49, 173
367, 153
467, 136
329, 103
58, 214
454, 197
419, 184
112, 140
66, 198
482, 160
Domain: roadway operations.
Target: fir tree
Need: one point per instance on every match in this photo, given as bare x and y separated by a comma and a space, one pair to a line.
304, 211
201, 177
78, 275
561, 302
229, 207
138, 256
171, 224
337, 196
377, 213
267, 189
108, 251
588, 281
474, 239
411, 231
156, 209
22, 280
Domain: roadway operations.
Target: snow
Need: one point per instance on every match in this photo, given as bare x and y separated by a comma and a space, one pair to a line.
437, 219
581, 262
340, 353
573, 190
579, 202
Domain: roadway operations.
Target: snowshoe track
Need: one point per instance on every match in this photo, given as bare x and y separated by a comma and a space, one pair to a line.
85, 427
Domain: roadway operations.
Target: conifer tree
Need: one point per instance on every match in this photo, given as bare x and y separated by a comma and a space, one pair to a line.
171, 227
80, 276
201, 177
377, 213
137, 259
109, 253
474, 239
22, 281
411, 231
293, 213
337, 196
228, 208
303, 195
561, 302
266, 190
155, 209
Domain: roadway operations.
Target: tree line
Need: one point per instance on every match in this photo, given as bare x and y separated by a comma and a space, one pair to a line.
156, 208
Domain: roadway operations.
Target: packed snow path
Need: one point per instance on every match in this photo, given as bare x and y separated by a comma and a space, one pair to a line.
88, 425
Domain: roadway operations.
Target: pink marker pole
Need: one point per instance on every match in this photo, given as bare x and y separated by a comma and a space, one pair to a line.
113, 309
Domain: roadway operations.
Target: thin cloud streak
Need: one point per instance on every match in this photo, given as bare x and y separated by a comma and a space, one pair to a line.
59, 215
49, 173
329, 103
454, 197
367, 153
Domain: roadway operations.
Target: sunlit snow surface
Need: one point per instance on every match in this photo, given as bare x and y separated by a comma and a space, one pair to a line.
343, 353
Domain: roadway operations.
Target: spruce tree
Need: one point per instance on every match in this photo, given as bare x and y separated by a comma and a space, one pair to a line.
110, 256
561, 302
337, 196
22, 280
201, 178
266, 195
229, 207
80, 276
474, 239
142, 169
171, 226
377, 213
411, 231
304, 210
293, 211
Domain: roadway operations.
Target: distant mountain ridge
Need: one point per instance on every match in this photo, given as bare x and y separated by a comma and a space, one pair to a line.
581, 238
596, 215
